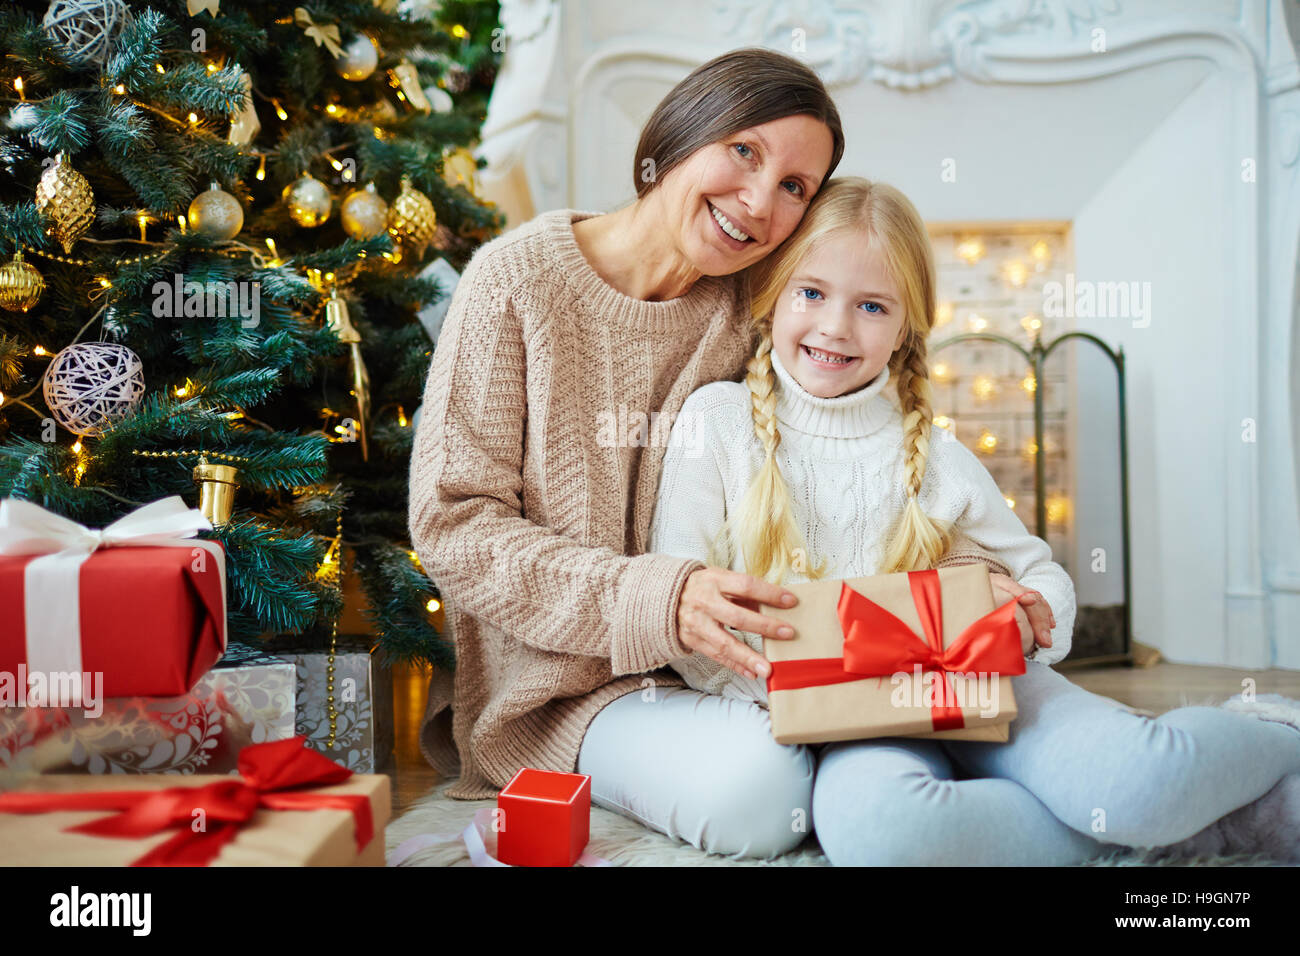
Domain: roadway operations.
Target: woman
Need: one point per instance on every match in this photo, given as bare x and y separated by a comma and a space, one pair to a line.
569, 346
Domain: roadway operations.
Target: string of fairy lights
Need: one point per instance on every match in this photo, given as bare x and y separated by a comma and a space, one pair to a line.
1013, 273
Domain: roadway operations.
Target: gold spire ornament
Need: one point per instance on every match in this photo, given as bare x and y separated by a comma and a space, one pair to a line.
406, 80
65, 197
411, 218
308, 199
20, 284
195, 7
217, 484
337, 318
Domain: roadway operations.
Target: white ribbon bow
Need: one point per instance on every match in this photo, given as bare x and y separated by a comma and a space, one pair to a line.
474, 837
51, 583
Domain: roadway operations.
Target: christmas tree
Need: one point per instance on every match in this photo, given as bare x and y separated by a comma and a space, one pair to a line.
219, 222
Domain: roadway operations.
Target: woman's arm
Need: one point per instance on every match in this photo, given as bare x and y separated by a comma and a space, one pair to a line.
466, 522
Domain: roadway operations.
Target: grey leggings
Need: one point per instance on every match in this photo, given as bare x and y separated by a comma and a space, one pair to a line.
1078, 776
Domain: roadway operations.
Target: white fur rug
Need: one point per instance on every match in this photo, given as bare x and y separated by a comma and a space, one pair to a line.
626, 842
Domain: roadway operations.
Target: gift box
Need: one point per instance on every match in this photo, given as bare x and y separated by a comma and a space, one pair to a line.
921, 653
248, 697
289, 807
363, 700
544, 818
78, 607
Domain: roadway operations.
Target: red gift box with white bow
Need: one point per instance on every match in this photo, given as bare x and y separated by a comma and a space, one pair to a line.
135, 609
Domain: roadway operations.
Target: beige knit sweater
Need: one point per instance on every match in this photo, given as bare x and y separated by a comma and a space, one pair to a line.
546, 414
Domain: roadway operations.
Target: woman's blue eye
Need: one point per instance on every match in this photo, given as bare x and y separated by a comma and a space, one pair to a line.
810, 293
798, 187
873, 307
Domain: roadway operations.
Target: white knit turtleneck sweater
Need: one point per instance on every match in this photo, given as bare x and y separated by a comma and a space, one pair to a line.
842, 459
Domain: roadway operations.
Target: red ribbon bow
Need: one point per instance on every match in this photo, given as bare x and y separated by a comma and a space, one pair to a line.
878, 644
269, 773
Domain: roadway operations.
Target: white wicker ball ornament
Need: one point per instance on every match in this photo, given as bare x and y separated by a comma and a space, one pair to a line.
91, 385
87, 30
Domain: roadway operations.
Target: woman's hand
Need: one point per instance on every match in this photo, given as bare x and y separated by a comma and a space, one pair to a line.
1033, 614
713, 597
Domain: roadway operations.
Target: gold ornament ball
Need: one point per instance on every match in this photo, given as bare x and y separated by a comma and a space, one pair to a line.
308, 200
65, 196
411, 218
365, 214
20, 284
216, 214
359, 59
459, 168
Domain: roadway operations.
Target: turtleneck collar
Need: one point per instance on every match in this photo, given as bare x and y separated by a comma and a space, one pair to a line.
852, 415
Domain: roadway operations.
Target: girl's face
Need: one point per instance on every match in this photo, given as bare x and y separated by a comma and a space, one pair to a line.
839, 318
760, 180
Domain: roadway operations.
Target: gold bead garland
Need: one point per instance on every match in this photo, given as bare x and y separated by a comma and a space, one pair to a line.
334, 636
181, 454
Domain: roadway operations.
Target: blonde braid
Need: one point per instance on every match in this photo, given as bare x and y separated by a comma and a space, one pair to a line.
764, 522
918, 541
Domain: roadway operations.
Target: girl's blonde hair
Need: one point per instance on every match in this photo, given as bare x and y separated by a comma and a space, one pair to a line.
764, 527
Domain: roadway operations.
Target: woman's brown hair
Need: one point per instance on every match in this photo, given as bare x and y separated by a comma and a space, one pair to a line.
731, 92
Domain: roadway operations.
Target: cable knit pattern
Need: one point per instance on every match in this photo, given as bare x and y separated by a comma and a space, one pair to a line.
532, 514
842, 459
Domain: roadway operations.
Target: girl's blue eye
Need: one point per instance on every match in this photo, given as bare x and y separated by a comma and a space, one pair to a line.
873, 307
811, 293
743, 146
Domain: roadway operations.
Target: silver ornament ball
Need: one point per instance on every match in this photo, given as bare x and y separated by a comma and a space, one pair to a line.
359, 59
216, 214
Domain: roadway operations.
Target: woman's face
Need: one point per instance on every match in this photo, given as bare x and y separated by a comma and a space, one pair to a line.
760, 180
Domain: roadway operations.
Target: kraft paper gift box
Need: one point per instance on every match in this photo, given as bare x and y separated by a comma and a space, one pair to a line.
285, 830
863, 660
247, 697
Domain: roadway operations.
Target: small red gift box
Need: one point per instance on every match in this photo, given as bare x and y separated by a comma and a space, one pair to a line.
545, 818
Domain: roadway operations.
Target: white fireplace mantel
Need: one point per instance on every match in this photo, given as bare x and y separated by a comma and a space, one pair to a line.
1166, 131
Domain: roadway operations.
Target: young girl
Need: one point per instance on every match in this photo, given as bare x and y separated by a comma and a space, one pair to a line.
810, 469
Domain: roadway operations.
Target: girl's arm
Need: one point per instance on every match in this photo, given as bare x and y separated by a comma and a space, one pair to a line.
691, 506
466, 522
994, 527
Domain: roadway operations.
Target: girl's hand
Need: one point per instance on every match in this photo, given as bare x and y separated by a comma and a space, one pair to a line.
1032, 611
713, 597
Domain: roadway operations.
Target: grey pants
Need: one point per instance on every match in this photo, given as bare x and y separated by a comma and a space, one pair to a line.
1077, 777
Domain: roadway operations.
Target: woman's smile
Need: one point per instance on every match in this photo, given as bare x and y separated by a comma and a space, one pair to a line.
721, 225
